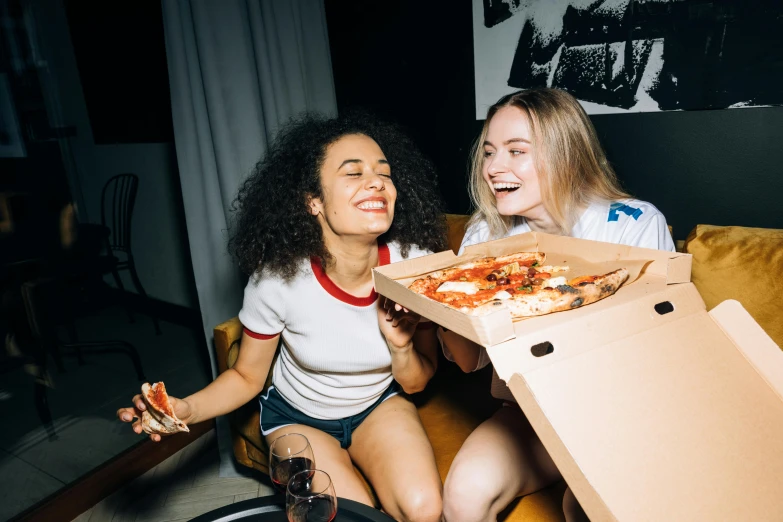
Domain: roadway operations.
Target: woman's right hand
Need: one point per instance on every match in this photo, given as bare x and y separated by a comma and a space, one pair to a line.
133, 414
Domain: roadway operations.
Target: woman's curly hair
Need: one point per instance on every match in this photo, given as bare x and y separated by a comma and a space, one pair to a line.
273, 229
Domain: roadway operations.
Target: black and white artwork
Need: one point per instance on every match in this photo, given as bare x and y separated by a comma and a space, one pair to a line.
632, 55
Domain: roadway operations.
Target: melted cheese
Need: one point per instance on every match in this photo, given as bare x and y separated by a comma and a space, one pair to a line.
549, 269
554, 282
502, 295
464, 287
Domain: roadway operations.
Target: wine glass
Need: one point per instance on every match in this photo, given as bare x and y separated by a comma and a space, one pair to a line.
310, 497
288, 455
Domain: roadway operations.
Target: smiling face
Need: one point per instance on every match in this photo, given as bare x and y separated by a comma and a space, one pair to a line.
358, 192
509, 165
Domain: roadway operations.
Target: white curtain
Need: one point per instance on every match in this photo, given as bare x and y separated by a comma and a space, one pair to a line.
237, 69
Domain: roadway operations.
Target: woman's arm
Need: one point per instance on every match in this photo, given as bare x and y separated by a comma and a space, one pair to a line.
463, 351
413, 351
237, 385
232, 388
414, 367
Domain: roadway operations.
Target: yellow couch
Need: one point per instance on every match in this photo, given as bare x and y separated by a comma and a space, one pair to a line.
454, 403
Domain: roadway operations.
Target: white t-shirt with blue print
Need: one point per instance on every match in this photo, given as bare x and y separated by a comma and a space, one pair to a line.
628, 222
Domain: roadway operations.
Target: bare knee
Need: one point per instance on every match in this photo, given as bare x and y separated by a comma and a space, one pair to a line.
468, 497
421, 505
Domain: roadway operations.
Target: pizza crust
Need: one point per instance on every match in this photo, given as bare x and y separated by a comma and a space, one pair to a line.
159, 416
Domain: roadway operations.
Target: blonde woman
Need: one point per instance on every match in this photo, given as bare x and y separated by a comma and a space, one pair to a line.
537, 166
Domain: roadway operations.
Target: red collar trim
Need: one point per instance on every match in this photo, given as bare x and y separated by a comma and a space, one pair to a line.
338, 293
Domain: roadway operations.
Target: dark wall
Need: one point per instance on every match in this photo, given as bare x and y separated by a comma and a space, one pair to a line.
121, 55
412, 61
717, 167
403, 60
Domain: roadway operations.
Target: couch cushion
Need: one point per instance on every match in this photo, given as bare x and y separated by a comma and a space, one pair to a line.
743, 264
456, 224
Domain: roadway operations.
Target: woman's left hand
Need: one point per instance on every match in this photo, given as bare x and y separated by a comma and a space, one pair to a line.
397, 324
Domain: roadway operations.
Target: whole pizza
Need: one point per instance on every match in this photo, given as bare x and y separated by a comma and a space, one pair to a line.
520, 282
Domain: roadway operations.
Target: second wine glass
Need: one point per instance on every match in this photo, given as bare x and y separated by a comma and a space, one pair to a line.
310, 497
289, 455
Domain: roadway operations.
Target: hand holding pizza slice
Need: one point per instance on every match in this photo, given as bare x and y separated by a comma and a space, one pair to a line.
155, 411
160, 417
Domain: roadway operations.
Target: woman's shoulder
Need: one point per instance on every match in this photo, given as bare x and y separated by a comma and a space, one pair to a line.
626, 210
631, 222
266, 280
414, 251
476, 231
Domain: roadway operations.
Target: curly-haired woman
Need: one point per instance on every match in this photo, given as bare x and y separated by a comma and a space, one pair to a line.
331, 200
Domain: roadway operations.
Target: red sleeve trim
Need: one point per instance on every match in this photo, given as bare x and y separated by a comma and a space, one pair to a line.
256, 335
427, 325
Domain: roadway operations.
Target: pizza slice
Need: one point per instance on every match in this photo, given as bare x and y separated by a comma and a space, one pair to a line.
159, 417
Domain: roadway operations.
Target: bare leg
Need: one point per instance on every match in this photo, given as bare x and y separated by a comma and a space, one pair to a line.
393, 451
332, 459
501, 460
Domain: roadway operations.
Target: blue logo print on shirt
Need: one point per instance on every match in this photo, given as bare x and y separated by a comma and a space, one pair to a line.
614, 208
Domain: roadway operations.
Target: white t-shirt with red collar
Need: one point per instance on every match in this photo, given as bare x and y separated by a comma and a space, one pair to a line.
334, 361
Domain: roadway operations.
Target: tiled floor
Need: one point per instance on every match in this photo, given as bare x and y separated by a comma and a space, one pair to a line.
83, 403
184, 486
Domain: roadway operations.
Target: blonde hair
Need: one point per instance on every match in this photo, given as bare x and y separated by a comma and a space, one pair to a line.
573, 171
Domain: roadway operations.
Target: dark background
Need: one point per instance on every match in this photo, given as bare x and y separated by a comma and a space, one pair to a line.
412, 61
121, 55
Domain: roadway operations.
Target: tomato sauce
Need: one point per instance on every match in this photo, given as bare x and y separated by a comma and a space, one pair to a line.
160, 400
520, 282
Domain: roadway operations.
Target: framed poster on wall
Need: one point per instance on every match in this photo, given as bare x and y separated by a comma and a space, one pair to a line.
631, 55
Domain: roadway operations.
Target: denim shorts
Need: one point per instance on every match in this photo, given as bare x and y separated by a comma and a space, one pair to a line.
276, 413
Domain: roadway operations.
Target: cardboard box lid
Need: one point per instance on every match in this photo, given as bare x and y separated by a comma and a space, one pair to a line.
682, 420
661, 268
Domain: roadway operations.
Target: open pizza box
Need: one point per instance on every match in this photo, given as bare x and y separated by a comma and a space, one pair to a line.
651, 407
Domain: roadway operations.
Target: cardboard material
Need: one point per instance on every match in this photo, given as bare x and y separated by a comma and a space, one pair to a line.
675, 422
651, 407
651, 271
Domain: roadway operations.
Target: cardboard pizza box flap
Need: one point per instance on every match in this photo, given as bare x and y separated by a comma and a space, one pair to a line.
651, 407
681, 420
752, 341
592, 330
651, 271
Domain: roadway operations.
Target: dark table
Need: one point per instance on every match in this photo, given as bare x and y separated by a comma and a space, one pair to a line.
272, 509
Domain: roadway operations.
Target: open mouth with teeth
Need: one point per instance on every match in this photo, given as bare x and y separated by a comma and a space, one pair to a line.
506, 187
372, 205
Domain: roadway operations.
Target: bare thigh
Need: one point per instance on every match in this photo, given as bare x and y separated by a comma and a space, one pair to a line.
332, 459
502, 459
393, 451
